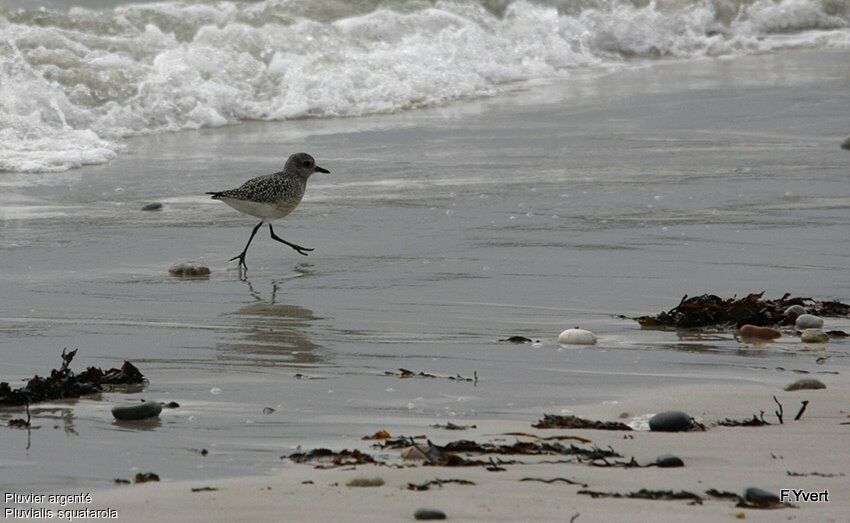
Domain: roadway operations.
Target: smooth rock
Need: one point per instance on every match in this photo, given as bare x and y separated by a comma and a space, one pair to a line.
365, 482
760, 496
577, 337
808, 321
137, 411
188, 269
846, 143
762, 333
424, 514
666, 461
155, 206
795, 310
806, 384
670, 421
814, 336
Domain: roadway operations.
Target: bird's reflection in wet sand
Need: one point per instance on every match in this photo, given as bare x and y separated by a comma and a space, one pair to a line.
273, 333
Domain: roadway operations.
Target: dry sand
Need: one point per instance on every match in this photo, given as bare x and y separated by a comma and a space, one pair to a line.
727, 459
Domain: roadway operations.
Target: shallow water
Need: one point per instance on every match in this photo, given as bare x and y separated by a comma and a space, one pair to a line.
439, 232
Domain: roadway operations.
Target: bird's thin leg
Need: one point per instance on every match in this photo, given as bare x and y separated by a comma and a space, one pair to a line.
241, 257
299, 249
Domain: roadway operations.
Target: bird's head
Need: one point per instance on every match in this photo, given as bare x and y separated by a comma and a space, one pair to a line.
303, 164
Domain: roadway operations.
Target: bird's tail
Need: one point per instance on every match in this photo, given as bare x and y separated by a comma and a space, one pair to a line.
215, 195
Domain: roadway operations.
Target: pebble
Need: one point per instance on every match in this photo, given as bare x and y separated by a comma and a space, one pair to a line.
760, 496
137, 411
795, 310
577, 337
666, 461
155, 206
814, 336
188, 269
808, 321
429, 514
753, 331
365, 482
806, 384
670, 421
846, 143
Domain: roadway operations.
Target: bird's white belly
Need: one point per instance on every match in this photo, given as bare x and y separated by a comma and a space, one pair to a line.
266, 211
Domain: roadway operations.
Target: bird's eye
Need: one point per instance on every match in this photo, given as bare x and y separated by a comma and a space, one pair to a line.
307, 163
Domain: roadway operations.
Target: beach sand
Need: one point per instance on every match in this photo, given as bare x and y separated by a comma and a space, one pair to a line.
441, 231
722, 458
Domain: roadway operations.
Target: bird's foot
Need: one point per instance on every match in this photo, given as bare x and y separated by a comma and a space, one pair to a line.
301, 250
241, 258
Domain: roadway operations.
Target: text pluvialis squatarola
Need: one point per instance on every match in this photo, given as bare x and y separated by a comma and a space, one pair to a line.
272, 196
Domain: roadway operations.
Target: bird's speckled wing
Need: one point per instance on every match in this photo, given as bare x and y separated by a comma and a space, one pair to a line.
265, 189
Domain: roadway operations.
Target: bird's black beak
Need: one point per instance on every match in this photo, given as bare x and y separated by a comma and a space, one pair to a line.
322, 170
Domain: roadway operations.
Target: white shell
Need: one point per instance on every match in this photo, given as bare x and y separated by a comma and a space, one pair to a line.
577, 337
808, 321
814, 336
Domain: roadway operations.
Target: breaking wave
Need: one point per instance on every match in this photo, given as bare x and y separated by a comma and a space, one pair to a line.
74, 82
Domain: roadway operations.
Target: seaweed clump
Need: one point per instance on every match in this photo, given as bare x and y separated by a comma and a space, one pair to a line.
63, 383
709, 310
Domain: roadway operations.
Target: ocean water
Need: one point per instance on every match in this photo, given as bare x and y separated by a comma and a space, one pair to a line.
439, 232
498, 169
77, 78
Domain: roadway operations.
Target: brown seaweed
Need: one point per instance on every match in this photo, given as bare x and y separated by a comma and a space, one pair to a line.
528, 448
554, 421
438, 482
63, 383
556, 480
709, 310
646, 494
407, 373
327, 459
755, 421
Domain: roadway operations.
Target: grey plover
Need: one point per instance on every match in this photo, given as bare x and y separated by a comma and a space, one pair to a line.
272, 196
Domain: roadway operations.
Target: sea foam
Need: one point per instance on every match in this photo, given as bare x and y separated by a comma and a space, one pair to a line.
74, 83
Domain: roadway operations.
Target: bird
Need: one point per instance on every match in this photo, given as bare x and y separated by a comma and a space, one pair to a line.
271, 197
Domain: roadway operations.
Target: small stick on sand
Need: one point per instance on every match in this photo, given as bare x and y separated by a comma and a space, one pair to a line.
803, 405
778, 412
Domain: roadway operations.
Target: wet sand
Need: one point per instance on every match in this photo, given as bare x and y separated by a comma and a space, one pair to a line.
722, 458
438, 233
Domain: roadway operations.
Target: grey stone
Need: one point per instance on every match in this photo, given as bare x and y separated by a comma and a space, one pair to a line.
808, 321
760, 496
806, 384
155, 206
795, 310
137, 411
666, 461
670, 421
188, 269
424, 514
